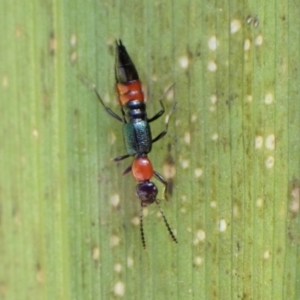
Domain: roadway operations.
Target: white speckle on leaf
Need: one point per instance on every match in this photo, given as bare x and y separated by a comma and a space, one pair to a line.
235, 210
184, 62
119, 289
213, 99
145, 211
269, 162
235, 26
184, 163
269, 98
73, 56
130, 262
118, 268
187, 137
96, 253
270, 142
259, 40
114, 240
73, 39
294, 206
259, 202
198, 172
249, 98
115, 200
112, 138
247, 44
212, 66
135, 221
215, 136
222, 225
267, 254
212, 43
35, 133
258, 142
213, 204
183, 198
183, 210
198, 261
5, 81
193, 118
201, 235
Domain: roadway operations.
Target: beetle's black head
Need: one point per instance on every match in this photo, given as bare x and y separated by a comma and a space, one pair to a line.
124, 68
147, 192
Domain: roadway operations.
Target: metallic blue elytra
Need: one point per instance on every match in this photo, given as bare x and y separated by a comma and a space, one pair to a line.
137, 137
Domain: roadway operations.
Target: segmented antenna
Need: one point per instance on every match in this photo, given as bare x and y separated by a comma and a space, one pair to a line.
142, 229
167, 224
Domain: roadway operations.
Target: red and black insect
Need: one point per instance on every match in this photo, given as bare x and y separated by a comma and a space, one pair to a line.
137, 132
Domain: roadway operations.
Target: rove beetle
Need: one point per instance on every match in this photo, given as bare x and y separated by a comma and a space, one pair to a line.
136, 131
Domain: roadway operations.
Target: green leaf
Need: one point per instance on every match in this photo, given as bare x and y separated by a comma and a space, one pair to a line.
69, 220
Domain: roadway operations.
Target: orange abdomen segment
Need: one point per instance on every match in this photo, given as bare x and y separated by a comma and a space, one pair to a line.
130, 91
142, 169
